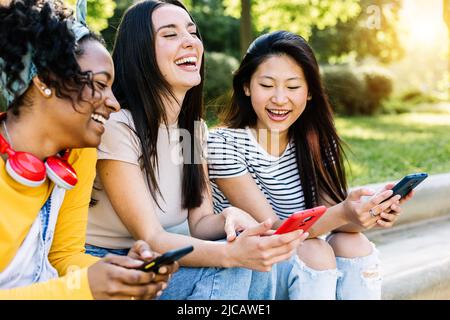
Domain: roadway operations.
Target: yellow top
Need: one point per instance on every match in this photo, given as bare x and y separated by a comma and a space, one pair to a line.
20, 206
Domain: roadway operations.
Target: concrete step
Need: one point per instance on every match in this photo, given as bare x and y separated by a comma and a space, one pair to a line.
431, 199
415, 259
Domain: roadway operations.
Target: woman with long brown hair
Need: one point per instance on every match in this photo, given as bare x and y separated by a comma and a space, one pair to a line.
151, 177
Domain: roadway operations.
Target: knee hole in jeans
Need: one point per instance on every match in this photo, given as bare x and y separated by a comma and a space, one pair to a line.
317, 254
350, 245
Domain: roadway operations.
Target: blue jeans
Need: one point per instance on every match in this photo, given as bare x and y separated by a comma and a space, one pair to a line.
359, 278
101, 252
288, 280
353, 279
209, 284
199, 283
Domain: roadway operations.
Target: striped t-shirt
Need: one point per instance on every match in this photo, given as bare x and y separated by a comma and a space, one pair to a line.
236, 152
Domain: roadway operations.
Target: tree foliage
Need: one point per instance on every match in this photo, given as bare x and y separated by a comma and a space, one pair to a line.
113, 22
219, 30
372, 32
299, 16
98, 13
335, 29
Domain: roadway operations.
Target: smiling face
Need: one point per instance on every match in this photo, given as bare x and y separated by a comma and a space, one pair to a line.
84, 126
178, 48
278, 92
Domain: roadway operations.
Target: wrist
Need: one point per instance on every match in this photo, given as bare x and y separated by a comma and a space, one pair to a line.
229, 259
341, 213
226, 213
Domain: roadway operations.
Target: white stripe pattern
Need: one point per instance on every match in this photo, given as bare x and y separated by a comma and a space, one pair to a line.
235, 152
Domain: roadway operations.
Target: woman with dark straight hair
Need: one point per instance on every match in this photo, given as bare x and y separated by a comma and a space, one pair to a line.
278, 152
151, 175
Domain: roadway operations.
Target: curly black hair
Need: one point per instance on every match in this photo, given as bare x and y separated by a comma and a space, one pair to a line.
43, 25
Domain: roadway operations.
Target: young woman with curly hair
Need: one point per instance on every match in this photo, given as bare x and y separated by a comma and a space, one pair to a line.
56, 77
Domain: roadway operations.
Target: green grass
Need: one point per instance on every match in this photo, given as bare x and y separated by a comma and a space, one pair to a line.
386, 147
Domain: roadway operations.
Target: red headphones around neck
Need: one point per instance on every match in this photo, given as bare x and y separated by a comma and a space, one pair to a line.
30, 171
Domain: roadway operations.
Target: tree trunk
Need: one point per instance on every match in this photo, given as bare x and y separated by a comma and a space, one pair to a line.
246, 26
446, 9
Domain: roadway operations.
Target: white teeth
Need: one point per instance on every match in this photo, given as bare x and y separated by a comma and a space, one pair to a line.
185, 60
99, 118
279, 112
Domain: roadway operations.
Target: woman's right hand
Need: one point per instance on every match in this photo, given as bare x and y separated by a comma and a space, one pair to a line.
253, 250
365, 213
116, 277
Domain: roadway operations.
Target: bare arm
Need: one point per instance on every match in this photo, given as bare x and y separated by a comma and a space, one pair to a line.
203, 223
242, 192
352, 214
127, 191
349, 216
334, 219
130, 198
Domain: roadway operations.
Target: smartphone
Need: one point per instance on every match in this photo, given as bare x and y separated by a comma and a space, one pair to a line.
301, 220
409, 182
166, 258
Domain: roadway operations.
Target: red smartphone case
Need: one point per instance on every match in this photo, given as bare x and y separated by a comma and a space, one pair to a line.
301, 220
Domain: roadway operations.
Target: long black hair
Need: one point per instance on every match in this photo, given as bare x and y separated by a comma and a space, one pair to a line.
319, 149
43, 26
140, 87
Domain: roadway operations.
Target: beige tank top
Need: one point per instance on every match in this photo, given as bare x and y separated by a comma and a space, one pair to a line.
119, 142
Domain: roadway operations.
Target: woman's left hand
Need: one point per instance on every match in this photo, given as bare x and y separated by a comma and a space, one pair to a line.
390, 216
237, 220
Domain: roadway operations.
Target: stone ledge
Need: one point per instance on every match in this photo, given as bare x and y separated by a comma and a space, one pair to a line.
415, 259
431, 199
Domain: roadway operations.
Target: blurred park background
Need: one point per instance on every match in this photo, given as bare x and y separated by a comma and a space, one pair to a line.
385, 65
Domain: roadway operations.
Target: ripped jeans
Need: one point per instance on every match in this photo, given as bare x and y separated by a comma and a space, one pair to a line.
353, 279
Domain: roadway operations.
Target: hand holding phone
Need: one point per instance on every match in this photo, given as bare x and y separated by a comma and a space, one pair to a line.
407, 184
166, 258
301, 220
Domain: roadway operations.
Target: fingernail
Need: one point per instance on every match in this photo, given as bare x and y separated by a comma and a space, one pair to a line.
162, 270
146, 254
164, 286
159, 293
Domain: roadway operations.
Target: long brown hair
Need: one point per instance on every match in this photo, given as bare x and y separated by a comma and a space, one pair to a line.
319, 151
140, 87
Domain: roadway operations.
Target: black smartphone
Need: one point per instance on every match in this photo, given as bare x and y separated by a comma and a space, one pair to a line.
166, 258
409, 182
